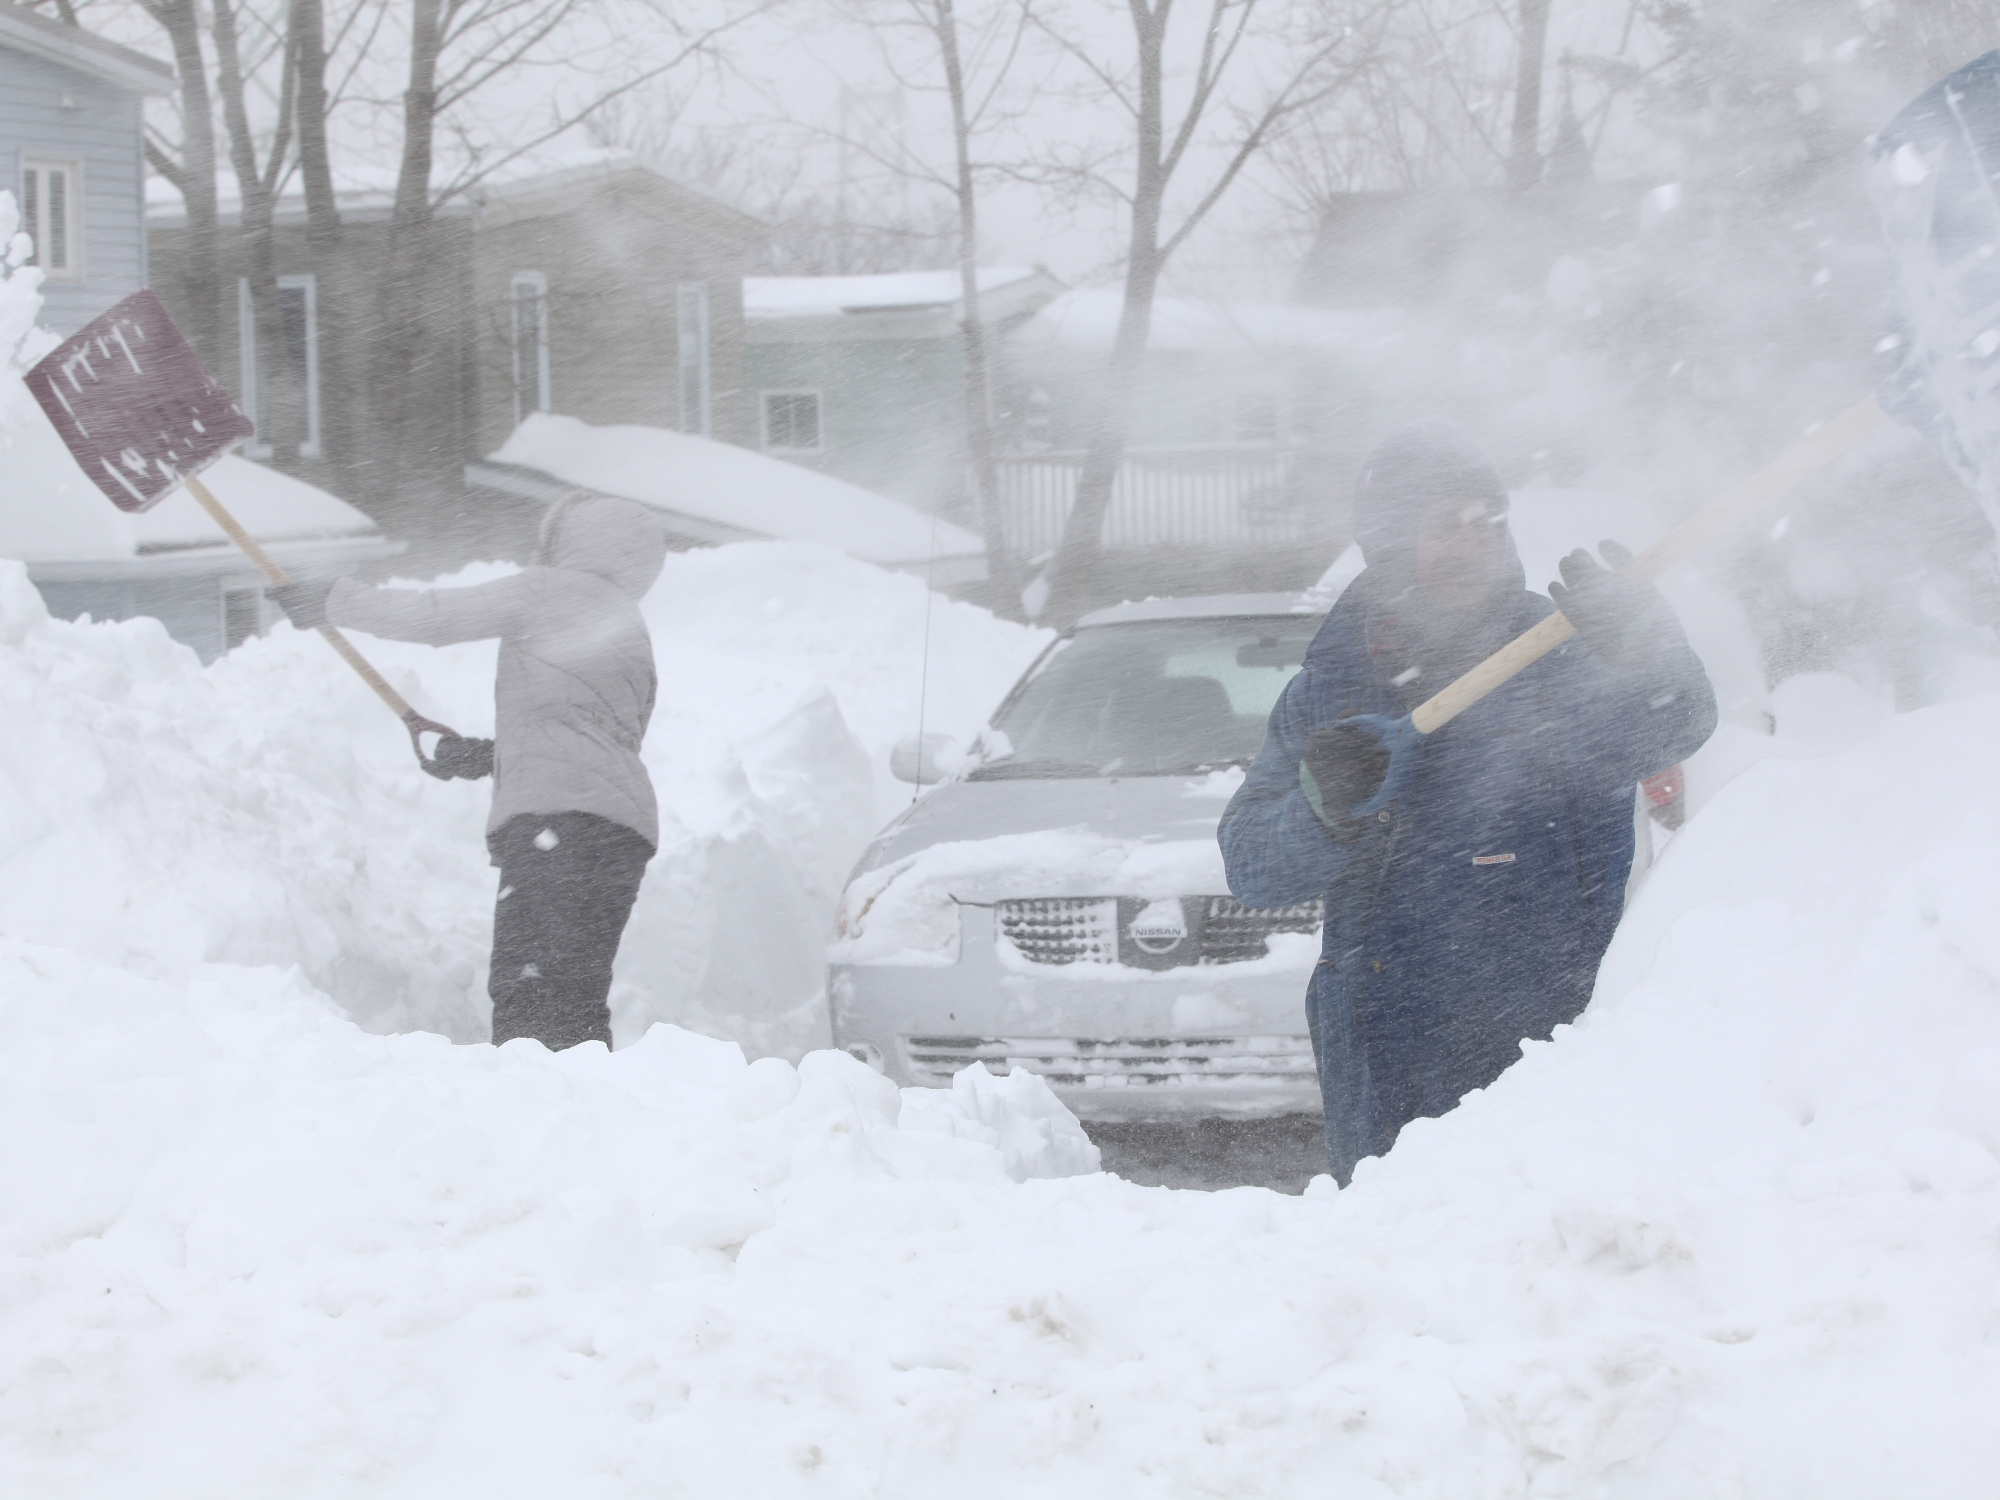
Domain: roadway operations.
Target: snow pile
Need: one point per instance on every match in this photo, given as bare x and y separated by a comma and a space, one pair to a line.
714, 481
786, 673
1731, 1235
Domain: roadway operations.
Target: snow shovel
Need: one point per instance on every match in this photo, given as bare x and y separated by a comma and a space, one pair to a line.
1934, 174
140, 415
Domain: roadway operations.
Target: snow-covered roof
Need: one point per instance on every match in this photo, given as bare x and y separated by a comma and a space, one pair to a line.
366, 191
902, 291
908, 304
733, 488
1087, 319
74, 47
54, 519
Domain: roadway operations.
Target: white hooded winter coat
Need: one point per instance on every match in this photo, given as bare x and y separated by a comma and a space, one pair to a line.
576, 682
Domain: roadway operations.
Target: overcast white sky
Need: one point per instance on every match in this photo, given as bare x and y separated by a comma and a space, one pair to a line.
789, 78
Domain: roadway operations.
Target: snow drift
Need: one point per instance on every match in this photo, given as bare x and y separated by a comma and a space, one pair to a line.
1732, 1234
267, 810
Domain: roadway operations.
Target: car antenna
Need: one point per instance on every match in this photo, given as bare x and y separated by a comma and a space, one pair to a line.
924, 670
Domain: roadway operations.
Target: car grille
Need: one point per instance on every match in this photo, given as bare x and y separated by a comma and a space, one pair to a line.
1086, 930
1232, 933
1061, 931
1119, 1062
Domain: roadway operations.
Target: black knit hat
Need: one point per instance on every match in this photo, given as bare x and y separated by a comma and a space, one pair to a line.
1409, 469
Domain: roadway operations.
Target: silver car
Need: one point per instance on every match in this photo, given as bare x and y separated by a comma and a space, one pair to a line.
1057, 904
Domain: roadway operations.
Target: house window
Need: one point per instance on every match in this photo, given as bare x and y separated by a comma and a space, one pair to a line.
298, 327
52, 216
791, 420
242, 616
1255, 418
531, 344
694, 357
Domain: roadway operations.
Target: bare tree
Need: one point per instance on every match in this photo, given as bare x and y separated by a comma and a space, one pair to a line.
1524, 160
1316, 54
191, 170
967, 115
278, 404
456, 49
970, 55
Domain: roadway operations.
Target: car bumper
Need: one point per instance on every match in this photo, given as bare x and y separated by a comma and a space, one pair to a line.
1115, 1043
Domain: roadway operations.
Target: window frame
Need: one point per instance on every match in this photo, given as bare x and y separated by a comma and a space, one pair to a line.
819, 419
250, 375
691, 317
1268, 430
72, 170
543, 398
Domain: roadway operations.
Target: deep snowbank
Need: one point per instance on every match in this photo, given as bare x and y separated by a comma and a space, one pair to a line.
267, 810
1733, 1234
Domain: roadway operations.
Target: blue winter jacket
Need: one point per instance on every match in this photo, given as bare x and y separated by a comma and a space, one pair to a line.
1474, 913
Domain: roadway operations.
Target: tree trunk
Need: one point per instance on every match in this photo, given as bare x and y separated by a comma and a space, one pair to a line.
983, 462
200, 289
404, 465
1083, 533
279, 403
338, 295
1524, 164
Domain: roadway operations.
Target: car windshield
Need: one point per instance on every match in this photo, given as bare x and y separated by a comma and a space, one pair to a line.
1151, 698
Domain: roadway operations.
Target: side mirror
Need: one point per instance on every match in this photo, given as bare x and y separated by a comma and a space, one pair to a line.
921, 760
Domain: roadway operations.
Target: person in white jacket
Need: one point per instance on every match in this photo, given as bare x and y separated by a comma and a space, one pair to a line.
574, 817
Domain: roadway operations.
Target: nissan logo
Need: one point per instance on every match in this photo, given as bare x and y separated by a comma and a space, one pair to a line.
1159, 928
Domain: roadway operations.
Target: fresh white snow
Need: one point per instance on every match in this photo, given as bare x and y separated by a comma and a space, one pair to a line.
1733, 1234
792, 296
714, 481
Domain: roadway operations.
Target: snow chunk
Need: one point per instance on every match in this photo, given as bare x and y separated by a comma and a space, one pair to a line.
1019, 1116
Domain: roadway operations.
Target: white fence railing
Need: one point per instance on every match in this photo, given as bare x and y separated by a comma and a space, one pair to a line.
1195, 497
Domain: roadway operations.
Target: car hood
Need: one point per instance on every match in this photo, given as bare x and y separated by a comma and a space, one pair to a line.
1145, 809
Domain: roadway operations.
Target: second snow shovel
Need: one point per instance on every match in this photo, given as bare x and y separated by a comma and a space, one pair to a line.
1935, 177
1401, 737
140, 414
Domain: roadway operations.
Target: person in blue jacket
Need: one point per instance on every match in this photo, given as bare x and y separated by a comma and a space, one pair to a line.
1471, 912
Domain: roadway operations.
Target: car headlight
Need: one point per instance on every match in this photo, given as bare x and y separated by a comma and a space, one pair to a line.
892, 916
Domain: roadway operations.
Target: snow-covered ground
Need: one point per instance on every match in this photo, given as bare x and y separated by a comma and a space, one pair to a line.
1733, 1234
267, 1231
267, 810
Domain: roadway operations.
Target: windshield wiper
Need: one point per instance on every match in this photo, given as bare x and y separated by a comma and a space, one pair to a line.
1011, 770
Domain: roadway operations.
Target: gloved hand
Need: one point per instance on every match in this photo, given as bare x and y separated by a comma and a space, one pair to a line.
1342, 768
304, 604
461, 756
1619, 618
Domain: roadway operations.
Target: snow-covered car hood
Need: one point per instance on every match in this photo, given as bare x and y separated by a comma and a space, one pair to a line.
1141, 809
974, 843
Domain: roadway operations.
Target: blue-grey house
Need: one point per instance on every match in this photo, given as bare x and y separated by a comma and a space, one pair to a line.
72, 154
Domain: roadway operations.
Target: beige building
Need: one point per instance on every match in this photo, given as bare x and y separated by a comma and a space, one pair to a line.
603, 291
613, 294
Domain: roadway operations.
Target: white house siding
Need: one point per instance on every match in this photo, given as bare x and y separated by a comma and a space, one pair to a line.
99, 129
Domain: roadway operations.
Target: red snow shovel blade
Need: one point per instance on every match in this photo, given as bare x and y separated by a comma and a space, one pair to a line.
129, 396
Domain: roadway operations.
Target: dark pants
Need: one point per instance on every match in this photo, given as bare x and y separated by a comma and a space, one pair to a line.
567, 882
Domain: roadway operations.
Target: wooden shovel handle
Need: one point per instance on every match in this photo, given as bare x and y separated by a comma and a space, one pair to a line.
268, 566
1801, 461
